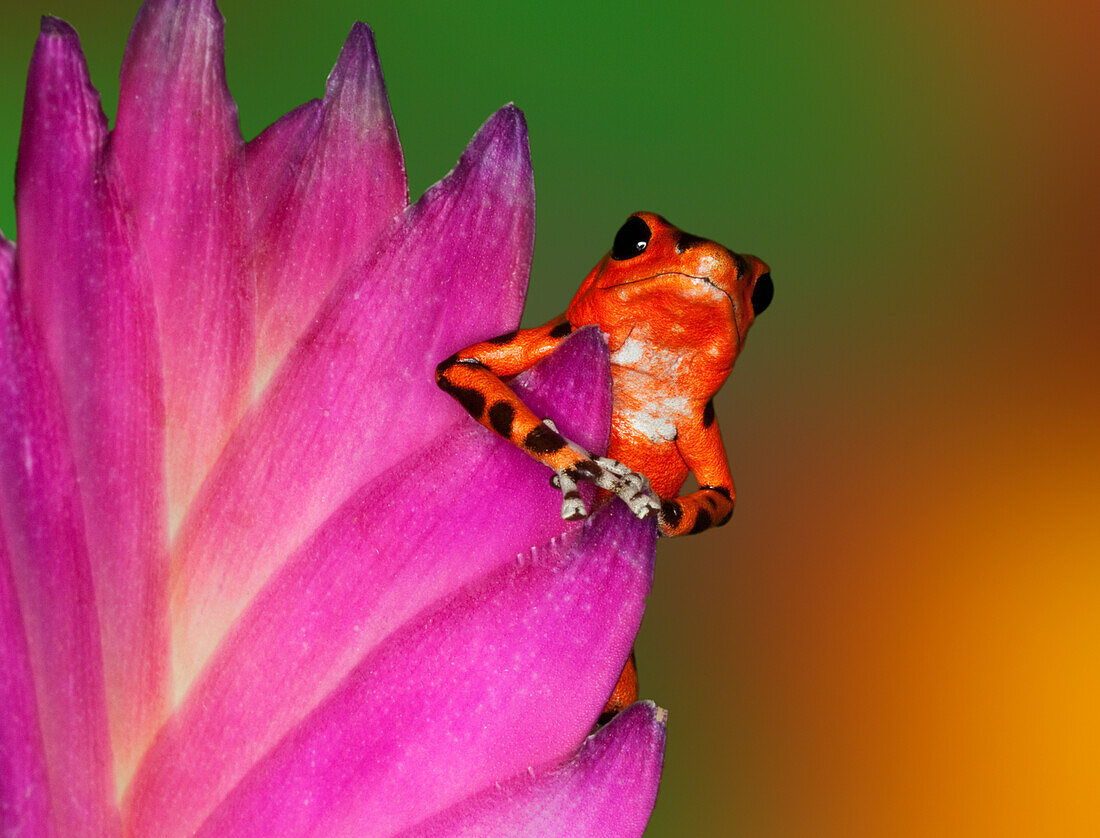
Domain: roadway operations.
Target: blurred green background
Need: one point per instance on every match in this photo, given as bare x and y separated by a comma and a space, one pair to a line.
899, 632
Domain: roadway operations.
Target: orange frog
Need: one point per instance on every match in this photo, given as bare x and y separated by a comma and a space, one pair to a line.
675, 309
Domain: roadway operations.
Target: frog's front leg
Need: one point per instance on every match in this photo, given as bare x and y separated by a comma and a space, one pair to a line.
473, 377
700, 444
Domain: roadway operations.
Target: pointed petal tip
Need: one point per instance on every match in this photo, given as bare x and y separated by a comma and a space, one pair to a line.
56, 27
360, 38
503, 135
509, 123
587, 345
58, 44
638, 734
497, 158
644, 713
358, 60
513, 111
63, 128
356, 88
573, 386
58, 59
202, 8
159, 22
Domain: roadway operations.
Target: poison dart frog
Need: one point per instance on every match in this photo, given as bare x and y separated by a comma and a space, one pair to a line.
675, 309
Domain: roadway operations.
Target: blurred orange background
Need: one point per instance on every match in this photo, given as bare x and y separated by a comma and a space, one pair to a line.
903, 627
899, 632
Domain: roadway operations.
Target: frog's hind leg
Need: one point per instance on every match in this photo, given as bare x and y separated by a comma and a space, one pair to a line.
625, 692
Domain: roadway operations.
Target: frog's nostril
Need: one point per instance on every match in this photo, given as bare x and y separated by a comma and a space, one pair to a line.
762, 294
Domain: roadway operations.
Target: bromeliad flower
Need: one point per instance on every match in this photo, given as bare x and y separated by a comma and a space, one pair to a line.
258, 576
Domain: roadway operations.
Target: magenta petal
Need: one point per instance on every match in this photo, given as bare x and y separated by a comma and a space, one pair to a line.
44, 540
24, 790
358, 392
271, 162
178, 148
509, 673
448, 514
344, 184
573, 387
606, 790
76, 269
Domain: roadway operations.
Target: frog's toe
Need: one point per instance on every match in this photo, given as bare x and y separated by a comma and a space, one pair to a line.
610, 475
644, 505
613, 466
630, 486
572, 505
639, 498
572, 508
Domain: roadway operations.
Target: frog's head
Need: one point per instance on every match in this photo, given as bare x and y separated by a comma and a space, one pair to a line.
690, 294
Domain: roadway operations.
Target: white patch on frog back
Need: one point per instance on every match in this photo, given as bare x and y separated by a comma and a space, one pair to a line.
629, 353
640, 353
658, 417
647, 384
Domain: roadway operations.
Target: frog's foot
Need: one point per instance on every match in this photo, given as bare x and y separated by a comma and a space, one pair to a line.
572, 504
632, 487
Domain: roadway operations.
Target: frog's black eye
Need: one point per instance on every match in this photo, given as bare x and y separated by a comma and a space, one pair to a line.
631, 239
762, 294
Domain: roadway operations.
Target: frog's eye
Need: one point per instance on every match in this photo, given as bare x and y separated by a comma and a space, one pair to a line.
762, 294
631, 239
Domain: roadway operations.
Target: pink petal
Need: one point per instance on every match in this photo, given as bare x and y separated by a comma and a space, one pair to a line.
24, 793
606, 790
76, 269
358, 392
465, 505
510, 672
43, 535
344, 185
178, 146
272, 159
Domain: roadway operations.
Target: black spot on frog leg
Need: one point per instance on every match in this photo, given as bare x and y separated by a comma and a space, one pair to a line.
562, 329
702, 521
501, 417
542, 440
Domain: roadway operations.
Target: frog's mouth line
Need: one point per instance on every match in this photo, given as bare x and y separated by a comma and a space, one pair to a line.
707, 280
736, 326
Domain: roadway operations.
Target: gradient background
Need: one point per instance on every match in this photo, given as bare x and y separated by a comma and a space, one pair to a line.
899, 632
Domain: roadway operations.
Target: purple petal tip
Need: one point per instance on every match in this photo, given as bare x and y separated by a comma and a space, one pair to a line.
205, 8
573, 385
358, 60
587, 347
502, 135
174, 16
645, 712
509, 123
57, 54
55, 26
360, 38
